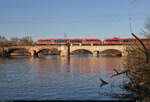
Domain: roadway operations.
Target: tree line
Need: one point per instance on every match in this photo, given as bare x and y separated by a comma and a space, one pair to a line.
26, 40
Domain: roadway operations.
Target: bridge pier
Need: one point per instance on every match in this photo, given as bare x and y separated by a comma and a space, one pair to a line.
65, 51
124, 54
4, 53
95, 53
34, 53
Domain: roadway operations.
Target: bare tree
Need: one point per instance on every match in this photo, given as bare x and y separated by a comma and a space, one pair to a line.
26, 40
14, 41
3, 40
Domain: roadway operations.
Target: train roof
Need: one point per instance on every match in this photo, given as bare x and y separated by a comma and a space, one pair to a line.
71, 39
123, 38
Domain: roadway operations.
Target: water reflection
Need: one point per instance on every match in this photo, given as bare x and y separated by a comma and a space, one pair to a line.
54, 77
84, 65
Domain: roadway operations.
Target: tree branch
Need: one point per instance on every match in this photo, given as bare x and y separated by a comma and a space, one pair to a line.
145, 49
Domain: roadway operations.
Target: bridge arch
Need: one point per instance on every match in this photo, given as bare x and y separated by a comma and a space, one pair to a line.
81, 51
20, 51
48, 51
112, 52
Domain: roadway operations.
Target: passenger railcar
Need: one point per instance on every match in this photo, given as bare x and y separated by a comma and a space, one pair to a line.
51, 41
124, 40
92, 41
68, 41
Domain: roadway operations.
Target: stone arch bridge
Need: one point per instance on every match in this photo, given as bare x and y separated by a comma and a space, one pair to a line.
65, 50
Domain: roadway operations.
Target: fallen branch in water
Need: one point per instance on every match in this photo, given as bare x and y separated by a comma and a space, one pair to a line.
102, 82
118, 73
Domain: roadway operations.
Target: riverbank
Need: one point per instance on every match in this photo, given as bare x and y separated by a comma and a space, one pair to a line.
138, 66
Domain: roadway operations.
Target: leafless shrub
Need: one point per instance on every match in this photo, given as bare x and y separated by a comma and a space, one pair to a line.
138, 64
26, 40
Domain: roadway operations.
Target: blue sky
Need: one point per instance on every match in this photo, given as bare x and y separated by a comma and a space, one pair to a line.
76, 18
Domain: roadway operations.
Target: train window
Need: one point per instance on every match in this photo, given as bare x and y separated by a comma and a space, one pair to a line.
129, 40
60, 41
83, 41
112, 40
52, 41
92, 40
126, 41
146, 40
78, 41
133, 40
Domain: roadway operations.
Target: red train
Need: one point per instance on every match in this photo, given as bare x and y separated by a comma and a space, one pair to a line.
90, 41
69, 41
124, 40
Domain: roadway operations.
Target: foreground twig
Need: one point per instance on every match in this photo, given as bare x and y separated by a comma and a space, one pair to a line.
118, 73
145, 49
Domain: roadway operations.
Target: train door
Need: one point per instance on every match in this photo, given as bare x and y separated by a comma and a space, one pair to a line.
121, 41
83, 41
53, 41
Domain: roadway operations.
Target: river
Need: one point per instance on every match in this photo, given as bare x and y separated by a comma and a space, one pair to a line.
58, 78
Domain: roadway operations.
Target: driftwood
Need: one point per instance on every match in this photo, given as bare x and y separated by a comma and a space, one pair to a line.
118, 73
103, 82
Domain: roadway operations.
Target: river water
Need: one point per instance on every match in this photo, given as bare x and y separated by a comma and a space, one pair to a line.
58, 78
